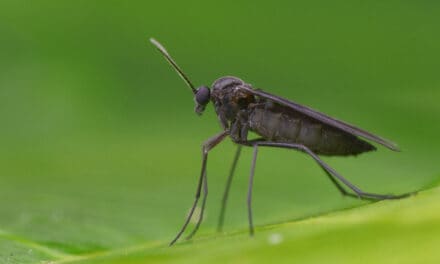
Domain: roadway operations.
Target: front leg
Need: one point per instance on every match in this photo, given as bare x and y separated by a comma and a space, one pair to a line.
207, 146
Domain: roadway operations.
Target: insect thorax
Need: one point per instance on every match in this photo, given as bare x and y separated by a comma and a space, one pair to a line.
229, 100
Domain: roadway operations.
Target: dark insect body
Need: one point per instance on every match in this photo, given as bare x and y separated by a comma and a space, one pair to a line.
280, 123
240, 111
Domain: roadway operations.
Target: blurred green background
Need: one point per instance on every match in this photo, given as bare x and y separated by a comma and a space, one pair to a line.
100, 146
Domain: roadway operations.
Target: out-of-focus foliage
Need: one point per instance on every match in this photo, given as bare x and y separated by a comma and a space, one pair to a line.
100, 147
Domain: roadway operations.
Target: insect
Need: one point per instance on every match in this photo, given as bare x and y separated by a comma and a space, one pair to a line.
280, 123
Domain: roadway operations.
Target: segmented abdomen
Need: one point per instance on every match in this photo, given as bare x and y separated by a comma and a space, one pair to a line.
278, 124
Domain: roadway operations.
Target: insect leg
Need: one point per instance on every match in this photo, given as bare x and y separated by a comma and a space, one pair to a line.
205, 195
332, 172
207, 146
188, 218
227, 188
338, 185
249, 196
335, 182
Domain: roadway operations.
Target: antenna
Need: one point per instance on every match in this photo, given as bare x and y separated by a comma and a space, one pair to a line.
173, 63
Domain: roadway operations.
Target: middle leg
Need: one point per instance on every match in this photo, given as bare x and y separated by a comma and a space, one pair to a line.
227, 188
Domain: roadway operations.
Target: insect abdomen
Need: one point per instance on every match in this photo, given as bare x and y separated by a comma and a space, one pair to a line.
275, 125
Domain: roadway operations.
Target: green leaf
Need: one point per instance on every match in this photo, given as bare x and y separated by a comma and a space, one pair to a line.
402, 231
100, 147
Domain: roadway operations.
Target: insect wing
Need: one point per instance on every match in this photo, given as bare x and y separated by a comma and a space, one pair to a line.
322, 117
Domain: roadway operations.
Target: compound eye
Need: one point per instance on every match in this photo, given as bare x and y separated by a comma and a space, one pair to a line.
203, 95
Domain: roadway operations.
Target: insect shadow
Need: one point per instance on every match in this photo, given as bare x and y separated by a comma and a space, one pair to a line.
280, 123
